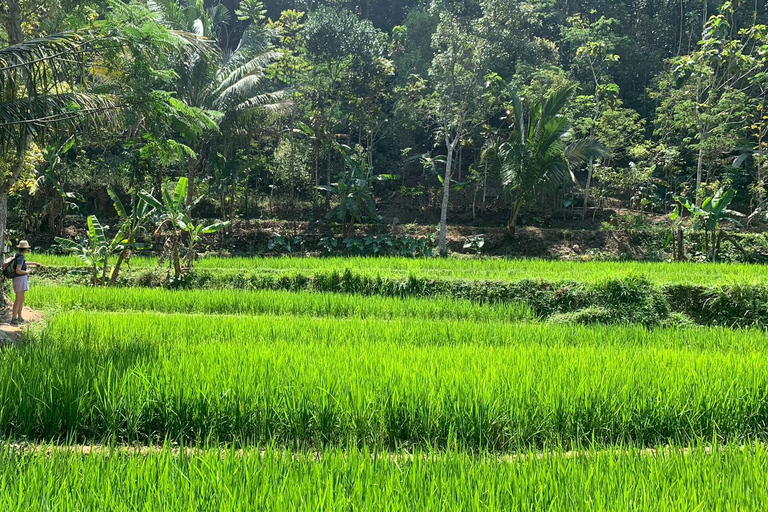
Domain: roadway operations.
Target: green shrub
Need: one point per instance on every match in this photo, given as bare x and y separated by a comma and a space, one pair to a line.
586, 316
678, 320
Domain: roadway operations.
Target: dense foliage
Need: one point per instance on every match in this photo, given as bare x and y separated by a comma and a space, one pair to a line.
353, 112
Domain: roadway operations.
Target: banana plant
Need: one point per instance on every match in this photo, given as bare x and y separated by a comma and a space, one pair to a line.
354, 194
132, 226
173, 213
195, 232
170, 215
94, 250
712, 213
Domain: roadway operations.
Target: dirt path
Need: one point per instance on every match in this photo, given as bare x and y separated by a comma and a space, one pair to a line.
11, 333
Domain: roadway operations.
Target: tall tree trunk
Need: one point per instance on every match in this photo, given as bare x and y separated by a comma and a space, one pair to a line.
699, 172
11, 19
703, 129
191, 180
315, 192
682, 29
587, 188
443, 244
516, 207
247, 211
328, 182
292, 165
118, 265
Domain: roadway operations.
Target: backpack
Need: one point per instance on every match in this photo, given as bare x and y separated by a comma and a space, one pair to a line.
9, 268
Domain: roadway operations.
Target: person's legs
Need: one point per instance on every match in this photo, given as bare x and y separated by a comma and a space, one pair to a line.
18, 305
20, 301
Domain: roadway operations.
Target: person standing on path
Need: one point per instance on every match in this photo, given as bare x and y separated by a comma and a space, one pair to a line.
21, 280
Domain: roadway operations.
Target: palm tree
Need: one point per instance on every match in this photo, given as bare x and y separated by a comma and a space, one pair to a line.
231, 82
540, 151
43, 85
58, 84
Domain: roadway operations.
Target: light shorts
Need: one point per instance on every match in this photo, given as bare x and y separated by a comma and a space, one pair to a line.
21, 284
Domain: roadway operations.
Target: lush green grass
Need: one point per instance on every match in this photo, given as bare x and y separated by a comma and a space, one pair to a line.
333, 376
477, 269
731, 479
268, 302
390, 383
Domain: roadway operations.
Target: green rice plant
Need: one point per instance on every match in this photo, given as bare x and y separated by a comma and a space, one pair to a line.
731, 478
300, 381
705, 274
270, 303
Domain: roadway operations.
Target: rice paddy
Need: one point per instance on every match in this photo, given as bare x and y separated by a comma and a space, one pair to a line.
473, 269
311, 401
359, 480
267, 302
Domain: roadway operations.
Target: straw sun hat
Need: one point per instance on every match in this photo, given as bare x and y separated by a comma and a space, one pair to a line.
23, 245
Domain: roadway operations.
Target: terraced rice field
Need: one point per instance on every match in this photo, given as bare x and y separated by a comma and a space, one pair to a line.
303, 401
356, 480
475, 269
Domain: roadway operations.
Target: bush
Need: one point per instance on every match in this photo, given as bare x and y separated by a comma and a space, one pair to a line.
678, 320
634, 300
587, 316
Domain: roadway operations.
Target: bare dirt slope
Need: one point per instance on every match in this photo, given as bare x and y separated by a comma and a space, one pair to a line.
10, 333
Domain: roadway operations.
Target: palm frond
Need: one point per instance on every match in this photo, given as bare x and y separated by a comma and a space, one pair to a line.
272, 101
43, 64
256, 39
555, 171
41, 50
582, 150
67, 111
240, 90
556, 101
550, 135
220, 15
230, 75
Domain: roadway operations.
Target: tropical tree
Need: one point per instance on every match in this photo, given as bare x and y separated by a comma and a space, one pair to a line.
456, 75
704, 97
173, 213
43, 84
354, 193
50, 179
540, 151
227, 82
96, 249
71, 81
596, 44
712, 213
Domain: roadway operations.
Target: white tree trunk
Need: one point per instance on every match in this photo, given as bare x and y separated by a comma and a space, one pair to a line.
587, 188
443, 245
191, 171
699, 173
